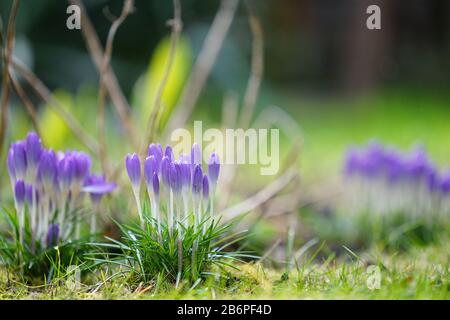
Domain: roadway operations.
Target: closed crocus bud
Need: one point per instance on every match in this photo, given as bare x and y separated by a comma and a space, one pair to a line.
445, 183
165, 171
34, 149
196, 155
155, 185
47, 168
52, 235
29, 193
19, 193
155, 150
197, 180
169, 153
213, 168
186, 175
20, 159
133, 166
205, 188
82, 166
66, 172
175, 177
10, 164
150, 168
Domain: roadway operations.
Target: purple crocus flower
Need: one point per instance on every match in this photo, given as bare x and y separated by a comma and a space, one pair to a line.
155, 150
66, 172
20, 159
205, 187
169, 153
34, 149
82, 166
176, 177
97, 186
29, 189
185, 175
351, 162
197, 180
47, 168
52, 234
133, 166
213, 168
155, 185
19, 193
165, 171
196, 155
445, 183
150, 168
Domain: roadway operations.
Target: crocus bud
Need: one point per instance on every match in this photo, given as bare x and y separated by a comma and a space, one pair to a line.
66, 172
165, 171
47, 169
82, 166
197, 180
205, 188
19, 193
52, 234
155, 150
29, 193
186, 175
20, 159
445, 183
213, 168
175, 177
133, 166
169, 153
155, 185
196, 155
34, 149
150, 168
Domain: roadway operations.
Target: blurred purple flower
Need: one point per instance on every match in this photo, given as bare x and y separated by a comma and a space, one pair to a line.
97, 186
52, 234
19, 193
213, 168
133, 166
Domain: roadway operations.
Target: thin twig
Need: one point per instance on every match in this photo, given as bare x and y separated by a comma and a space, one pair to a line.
103, 155
177, 26
53, 103
251, 93
256, 74
261, 197
26, 101
112, 85
8, 48
204, 63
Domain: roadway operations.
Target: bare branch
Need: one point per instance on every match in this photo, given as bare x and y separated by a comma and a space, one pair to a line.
26, 101
126, 10
177, 26
261, 197
204, 63
53, 103
6, 61
256, 75
96, 51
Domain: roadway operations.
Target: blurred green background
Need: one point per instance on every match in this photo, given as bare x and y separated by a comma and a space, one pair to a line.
342, 83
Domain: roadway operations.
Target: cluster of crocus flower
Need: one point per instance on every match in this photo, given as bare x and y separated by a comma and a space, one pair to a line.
179, 187
384, 180
49, 189
182, 184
